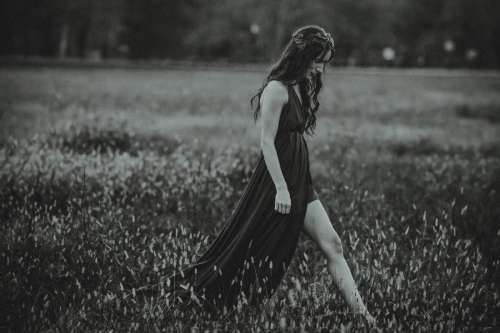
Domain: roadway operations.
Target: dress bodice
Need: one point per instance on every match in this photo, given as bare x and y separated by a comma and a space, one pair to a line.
296, 116
292, 117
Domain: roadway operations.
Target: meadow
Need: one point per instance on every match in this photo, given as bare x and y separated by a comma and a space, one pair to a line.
110, 179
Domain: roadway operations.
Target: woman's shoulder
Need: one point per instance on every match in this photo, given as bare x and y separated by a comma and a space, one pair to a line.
276, 90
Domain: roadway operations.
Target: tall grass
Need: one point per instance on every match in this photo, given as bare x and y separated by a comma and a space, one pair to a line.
85, 230
104, 193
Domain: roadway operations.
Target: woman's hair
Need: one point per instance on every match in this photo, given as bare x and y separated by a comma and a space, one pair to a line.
306, 44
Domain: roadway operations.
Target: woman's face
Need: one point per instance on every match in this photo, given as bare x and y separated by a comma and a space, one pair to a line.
317, 66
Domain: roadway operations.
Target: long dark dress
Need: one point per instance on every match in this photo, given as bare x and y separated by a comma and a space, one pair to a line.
253, 251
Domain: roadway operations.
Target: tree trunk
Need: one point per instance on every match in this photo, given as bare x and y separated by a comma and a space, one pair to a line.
63, 41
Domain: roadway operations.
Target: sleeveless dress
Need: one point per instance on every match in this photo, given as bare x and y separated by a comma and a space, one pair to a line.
254, 249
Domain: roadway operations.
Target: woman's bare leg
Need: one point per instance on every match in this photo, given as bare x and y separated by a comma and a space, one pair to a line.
318, 227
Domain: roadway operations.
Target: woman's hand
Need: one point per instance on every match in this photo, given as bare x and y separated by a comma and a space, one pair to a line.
283, 203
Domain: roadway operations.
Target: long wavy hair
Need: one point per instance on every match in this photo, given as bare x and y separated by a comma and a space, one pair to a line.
306, 44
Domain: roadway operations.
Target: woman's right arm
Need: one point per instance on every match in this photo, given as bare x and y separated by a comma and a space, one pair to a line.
273, 98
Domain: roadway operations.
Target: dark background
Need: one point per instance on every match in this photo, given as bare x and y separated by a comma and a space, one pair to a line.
444, 33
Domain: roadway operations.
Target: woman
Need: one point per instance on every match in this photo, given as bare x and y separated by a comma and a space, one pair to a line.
250, 255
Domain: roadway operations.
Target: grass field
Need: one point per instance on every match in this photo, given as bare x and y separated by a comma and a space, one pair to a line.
112, 178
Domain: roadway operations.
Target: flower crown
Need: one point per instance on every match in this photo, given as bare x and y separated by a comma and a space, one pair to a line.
322, 37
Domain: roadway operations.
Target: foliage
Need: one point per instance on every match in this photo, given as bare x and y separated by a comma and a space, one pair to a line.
220, 30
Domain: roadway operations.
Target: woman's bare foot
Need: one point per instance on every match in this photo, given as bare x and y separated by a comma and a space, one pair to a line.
368, 318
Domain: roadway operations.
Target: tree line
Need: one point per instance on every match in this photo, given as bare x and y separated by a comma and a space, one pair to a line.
453, 33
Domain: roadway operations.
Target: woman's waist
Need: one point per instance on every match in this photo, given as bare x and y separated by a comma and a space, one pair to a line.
289, 134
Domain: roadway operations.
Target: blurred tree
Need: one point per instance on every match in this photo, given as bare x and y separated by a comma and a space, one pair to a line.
58, 27
158, 28
223, 30
472, 26
418, 31
423, 27
88, 28
357, 27
26, 27
425, 32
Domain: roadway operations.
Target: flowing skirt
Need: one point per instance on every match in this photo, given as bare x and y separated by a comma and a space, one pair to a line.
251, 254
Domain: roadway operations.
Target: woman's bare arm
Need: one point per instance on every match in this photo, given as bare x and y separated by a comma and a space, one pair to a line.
273, 98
